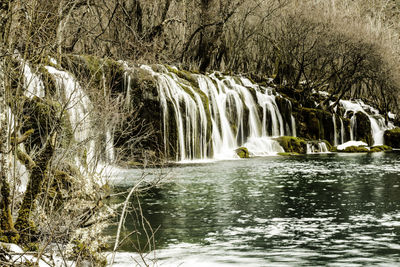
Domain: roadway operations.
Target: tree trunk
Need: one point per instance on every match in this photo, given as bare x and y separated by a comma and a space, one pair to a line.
39, 172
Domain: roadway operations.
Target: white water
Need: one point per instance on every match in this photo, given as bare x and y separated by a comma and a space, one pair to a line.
188, 111
293, 126
335, 135
263, 146
33, 83
78, 107
317, 148
351, 143
378, 125
232, 118
342, 132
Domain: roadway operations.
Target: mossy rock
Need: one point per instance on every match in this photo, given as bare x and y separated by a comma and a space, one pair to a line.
355, 149
185, 75
383, 148
363, 128
292, 144
314, 124
392, 137
285, 108
42, 116
96, 71
242, 152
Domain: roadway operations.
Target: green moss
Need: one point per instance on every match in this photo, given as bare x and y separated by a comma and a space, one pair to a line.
293, 144
392, 137
7, 231
24, 224
242, 152
355, 149
185, 75
48, 82
375, 149
58, 188
314, 124
382, 148
42, 116
25, 158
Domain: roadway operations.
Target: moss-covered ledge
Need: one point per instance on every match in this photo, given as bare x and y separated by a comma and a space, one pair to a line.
292, 144
382, 148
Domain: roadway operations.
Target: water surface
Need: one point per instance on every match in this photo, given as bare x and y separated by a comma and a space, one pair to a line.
313, 210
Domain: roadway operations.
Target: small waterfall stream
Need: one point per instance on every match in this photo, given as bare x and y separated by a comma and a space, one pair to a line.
378, 125
79, 108
335, 135
33, 83
342, 132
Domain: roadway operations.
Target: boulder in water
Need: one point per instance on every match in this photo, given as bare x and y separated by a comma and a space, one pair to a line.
392, 137
382, 148
353, 147
363, 129
293, 144
242, 152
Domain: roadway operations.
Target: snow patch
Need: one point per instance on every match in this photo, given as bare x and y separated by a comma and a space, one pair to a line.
351, 143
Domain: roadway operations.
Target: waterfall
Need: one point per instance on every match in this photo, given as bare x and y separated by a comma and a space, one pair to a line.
335, 135
353, 125
215, 114
378, 128
323, 148
378, 125
293, 126
310, 148
223, 137
320, 147
78, 106
33, 83
238, 92
342, 132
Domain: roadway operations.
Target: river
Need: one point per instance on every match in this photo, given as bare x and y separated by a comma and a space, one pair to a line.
311, 210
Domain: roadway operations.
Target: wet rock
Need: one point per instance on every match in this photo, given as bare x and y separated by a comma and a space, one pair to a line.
382, 148
292, 144
392, 138
243, 152
355, 149
363, 128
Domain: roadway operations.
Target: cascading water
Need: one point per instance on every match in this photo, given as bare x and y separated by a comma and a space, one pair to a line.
222, 114
378, 125
33, 83
335, 135
353, 126
342, 132
78, 107
320, 147
251, 130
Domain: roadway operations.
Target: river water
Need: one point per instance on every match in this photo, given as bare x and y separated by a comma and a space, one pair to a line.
312, 210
